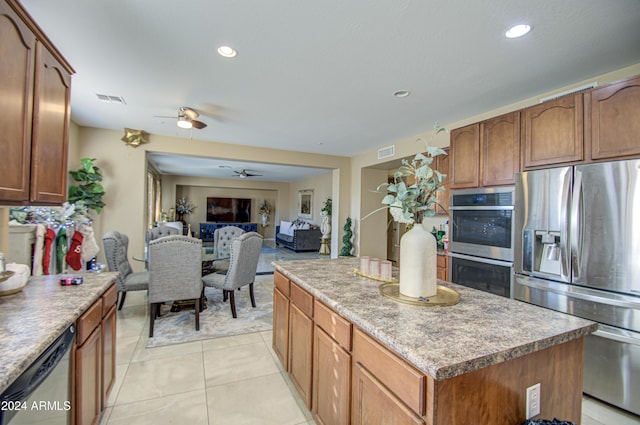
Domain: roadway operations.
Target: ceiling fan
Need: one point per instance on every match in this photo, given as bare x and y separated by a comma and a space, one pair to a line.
187, 118
243, 174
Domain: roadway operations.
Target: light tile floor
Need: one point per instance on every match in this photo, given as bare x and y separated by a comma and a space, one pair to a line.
234, 380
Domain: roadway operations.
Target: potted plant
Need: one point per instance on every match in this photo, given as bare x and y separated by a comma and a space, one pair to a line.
410, 197
184, 207
265, 210
90, 190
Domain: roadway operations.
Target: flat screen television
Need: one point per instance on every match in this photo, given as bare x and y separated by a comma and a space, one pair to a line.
231, 210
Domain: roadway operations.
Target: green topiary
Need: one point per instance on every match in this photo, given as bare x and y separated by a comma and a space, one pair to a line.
346, 239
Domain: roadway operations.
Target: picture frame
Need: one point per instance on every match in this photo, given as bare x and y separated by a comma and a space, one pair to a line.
305, 203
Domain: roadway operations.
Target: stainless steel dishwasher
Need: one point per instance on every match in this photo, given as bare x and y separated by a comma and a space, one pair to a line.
42, 393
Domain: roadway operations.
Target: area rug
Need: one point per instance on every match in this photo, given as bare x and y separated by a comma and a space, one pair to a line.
216, 321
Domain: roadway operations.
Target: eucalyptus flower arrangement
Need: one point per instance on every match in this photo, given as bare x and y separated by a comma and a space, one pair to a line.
413, 192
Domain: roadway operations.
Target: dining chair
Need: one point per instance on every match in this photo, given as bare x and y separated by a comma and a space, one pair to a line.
243, 264
116, 245
222, 238
175, 273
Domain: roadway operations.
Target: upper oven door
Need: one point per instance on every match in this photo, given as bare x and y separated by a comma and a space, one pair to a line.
482, 223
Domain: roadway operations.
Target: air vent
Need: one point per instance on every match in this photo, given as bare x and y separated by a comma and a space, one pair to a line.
386, 152
111, 99
570, 91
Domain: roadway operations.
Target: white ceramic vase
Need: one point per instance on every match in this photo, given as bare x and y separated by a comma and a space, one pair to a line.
418, 263
265, 220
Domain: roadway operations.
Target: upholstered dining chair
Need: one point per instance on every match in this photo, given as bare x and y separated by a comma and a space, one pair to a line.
175, 268
116, 245
160, 231
222, 238
243, 263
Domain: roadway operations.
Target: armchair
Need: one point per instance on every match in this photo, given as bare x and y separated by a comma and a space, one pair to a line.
175, 273
115, 249
245, 252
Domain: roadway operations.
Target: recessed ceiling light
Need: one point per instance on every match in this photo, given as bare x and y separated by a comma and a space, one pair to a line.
517, 31
401, 93
227, 52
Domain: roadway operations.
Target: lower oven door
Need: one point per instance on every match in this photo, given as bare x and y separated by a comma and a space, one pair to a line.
484, 274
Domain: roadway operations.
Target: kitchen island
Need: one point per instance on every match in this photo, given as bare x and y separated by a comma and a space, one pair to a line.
32, 319
467, 363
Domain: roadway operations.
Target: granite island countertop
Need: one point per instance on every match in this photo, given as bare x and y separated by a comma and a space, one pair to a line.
33, 318
481, 330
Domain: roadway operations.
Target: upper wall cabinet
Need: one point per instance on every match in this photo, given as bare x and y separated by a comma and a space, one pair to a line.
500, 150
36, 87
464, 156
552, 132
486, 153
614, 127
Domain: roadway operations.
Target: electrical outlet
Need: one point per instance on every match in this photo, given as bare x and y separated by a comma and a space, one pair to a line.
533, 401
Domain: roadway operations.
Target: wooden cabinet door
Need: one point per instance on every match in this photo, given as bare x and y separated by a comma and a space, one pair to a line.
108, 354
464, 151
280, 338
615, 123
17, 62
88, 379
331, 381
442, 165
553, 132
300, 352
51, 108
373, 403
500, 150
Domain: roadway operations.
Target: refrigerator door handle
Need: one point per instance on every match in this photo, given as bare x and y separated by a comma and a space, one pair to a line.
616, 334
571, 291
565, 255
576, 225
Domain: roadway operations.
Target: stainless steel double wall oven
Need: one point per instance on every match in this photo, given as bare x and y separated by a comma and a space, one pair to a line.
481, 239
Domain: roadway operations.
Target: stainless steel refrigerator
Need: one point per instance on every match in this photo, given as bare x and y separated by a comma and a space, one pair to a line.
577, 250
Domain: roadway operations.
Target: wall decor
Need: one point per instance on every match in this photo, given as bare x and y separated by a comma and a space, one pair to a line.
305, 203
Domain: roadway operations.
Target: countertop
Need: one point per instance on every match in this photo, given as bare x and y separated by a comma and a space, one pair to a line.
481, 330
33, 318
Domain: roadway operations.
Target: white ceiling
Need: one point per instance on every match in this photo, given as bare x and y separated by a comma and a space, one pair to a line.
319, 76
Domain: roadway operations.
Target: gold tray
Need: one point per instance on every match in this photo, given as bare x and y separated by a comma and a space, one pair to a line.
379, 279
6, 275
444, 297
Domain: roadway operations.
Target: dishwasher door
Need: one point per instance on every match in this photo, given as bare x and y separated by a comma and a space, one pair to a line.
42, 394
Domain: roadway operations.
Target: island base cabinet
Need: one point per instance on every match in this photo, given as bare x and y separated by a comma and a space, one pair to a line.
300, 352
373, 403
280, 337
499, 391
331, 381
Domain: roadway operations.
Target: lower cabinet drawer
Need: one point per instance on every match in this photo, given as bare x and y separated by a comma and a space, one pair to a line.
333, 324
406, 382
89, 321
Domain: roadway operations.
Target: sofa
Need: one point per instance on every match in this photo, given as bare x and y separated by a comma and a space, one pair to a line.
298, 236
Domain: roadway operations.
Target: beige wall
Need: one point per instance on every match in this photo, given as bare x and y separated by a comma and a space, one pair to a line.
124, 171
409, 147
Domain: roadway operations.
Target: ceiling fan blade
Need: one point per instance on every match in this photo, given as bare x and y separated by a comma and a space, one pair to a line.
198, 124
